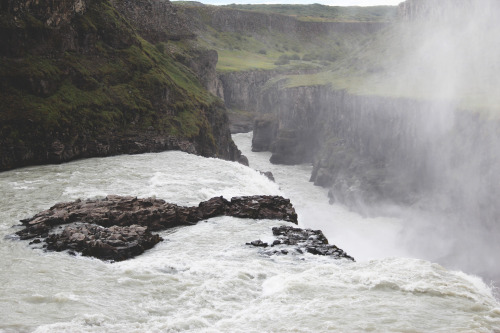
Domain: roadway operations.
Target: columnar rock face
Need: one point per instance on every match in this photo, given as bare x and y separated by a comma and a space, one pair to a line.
372, 150
241, 90
264, 132
117, 228
226, 19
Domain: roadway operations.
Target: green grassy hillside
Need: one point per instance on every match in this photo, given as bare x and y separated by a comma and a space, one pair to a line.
108, 81
322, 13
290, 45
427, 59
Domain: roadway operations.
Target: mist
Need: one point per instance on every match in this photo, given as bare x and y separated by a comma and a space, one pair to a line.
444, 56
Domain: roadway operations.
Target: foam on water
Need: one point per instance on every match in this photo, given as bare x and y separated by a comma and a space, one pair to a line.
363, 238
204, 277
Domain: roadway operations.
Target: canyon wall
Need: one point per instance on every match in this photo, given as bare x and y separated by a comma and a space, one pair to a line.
371, 150
78, 80
430, 163
241, 21
155, 20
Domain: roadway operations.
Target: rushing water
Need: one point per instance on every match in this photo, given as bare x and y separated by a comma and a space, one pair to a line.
204, 277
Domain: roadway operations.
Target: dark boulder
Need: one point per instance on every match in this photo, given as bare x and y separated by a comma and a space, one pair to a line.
297, 241
268, 174
113, 243
243, 160
262, 207
117, 228
258, 243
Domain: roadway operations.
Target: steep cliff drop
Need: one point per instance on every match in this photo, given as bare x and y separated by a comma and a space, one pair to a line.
406, 122
94, 78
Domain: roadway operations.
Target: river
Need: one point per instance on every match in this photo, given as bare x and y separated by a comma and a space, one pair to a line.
204, 278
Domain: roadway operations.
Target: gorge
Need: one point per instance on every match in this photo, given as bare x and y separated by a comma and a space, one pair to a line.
411, 131
392, 112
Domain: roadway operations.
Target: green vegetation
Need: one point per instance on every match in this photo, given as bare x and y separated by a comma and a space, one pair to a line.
315, 12
321, 13
259, 49
383, 66
118, 85
380, 62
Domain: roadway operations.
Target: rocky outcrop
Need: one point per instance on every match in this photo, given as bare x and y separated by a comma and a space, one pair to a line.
53, 148
291, 146
114, 243
268, 174
203, 63
241, 90
117, 228
156, 20
159, 21
264, 132
77, 81
53, 14
241, 122
243, 160
372, 150
286, 123
295, 241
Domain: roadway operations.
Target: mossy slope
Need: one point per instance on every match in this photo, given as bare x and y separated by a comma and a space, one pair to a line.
94, 81
257, 37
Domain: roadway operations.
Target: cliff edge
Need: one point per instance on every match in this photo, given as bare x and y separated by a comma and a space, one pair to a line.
81, 78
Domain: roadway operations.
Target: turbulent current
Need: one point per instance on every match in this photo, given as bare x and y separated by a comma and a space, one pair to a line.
204, 278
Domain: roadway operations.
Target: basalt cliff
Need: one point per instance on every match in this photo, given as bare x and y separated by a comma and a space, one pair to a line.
393, 106
404, 115
85, 78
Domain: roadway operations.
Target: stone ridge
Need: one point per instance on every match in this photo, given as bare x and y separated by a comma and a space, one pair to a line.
117, 228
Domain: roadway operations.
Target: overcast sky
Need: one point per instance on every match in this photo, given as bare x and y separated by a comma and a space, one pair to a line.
325, 2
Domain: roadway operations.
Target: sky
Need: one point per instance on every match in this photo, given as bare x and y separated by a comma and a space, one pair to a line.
324, 2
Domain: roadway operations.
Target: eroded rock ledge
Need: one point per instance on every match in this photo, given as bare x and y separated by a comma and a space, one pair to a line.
118, 228
290, 240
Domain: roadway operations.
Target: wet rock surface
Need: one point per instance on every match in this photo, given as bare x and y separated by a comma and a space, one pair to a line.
264, 132
241, 122
243, 160
268, 174
119, 227
290, 240
113, 243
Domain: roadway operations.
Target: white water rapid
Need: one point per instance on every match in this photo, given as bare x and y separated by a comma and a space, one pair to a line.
204, 278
